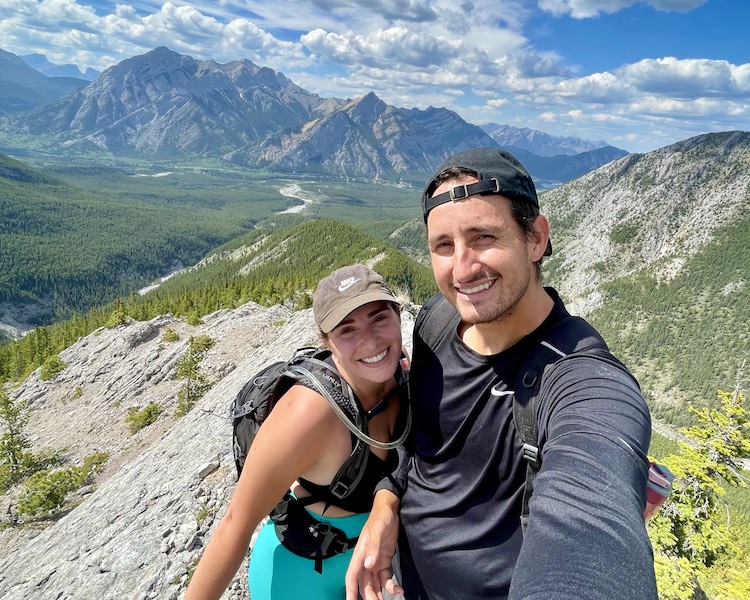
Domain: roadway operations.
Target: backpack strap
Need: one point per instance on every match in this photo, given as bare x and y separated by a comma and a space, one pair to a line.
312, 370
569, 334
443, 320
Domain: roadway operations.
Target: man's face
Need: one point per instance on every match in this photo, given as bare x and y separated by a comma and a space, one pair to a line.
481, 258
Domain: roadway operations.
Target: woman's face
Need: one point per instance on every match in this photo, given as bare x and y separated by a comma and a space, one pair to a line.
366, 345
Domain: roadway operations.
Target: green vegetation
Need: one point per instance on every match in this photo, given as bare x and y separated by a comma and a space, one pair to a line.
170, 335
45, 492
684, 336
624, 233
15, 458
693, 544
74, 248
188, 368
78, 236
138, 417
287, 274
51, 367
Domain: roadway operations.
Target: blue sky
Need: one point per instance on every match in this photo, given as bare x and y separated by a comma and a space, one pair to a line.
637, 74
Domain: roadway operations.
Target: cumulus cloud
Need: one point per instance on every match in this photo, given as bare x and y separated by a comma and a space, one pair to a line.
689, 78
394, 46
584, 9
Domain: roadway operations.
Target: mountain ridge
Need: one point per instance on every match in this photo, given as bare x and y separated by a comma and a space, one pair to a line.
163, 105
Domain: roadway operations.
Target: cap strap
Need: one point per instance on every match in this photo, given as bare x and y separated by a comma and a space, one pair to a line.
488, 186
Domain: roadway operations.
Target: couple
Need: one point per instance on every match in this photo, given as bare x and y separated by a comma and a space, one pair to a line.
453, 505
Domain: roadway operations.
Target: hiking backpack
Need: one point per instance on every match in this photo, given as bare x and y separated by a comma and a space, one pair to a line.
308, 366
545, 351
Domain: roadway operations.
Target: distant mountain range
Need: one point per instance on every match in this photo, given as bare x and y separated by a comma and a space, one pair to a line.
23, 88
538, 142
167, 106
42, 64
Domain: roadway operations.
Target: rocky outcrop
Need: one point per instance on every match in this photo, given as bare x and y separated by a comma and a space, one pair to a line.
139, 532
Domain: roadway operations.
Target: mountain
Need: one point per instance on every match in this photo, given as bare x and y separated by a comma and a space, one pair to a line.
166, 106
367, 138
23, 88
653, 248
538, 142
550, 171
42, 64
163, 105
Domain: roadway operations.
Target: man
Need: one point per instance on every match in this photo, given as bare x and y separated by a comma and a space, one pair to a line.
460, 504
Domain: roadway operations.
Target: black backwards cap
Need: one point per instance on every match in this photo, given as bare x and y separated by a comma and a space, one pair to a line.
499, 173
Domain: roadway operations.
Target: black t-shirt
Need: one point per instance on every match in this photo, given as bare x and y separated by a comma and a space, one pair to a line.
461, 535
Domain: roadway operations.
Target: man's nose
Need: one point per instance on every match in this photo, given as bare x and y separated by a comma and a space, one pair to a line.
465, 263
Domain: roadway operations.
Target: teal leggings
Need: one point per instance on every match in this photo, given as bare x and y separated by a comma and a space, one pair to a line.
278, 574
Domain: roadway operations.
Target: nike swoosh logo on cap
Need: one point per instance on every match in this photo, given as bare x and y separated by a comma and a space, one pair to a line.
347, 283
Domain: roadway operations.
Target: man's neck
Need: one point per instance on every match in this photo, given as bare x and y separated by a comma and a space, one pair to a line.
501, 334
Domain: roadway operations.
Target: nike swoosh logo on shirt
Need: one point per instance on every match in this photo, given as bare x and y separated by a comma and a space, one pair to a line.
499, 393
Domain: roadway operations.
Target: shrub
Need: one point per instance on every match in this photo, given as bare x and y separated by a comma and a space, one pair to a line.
118, 317
45, 491
170, 335
188, 368
138, 417
51, 367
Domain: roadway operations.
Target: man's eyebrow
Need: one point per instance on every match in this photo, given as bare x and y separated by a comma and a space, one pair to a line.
474, 229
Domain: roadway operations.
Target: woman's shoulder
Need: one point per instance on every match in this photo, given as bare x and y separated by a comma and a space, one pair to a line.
302, 402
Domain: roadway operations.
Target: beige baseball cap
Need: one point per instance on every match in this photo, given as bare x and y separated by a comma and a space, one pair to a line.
345, 290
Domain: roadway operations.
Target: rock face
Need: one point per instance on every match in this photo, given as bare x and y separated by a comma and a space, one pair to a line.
141, 529
647, 210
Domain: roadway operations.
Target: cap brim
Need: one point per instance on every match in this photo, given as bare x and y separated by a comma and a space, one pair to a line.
332, 319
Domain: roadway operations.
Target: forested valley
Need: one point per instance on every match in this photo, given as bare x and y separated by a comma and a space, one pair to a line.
83, 241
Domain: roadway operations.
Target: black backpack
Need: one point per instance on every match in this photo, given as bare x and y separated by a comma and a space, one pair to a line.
545, 351
308, 366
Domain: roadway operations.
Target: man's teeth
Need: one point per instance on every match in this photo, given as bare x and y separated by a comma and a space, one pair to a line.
476, 289
376, 358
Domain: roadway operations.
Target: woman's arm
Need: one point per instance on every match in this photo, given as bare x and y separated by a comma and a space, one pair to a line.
297, 434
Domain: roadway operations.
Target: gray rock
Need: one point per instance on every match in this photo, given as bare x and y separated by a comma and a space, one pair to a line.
139, 533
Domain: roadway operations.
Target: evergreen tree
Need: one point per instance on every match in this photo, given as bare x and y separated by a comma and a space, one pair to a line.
188, 368
15, 456
691, 533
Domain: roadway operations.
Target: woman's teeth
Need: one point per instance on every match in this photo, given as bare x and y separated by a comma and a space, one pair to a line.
377, 358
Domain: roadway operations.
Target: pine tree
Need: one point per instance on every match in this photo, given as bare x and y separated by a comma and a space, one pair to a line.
691, 533
188, 368
15, 457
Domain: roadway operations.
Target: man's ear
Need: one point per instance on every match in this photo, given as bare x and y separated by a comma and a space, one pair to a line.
539, 238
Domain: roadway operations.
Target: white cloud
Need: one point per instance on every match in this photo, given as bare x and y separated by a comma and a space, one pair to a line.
396, 47
583, 9
689, 78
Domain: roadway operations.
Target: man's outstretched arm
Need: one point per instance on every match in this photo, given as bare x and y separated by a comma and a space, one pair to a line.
370, 568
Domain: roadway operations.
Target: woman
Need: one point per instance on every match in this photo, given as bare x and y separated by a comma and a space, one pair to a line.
302, 445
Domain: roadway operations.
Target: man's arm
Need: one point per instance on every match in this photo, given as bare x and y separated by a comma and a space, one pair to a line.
586, 537
370, 566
